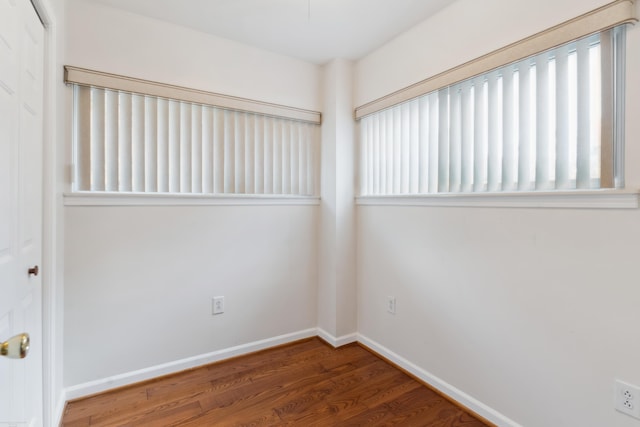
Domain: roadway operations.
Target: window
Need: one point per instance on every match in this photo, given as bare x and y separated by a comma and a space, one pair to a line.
130, 142
551, 121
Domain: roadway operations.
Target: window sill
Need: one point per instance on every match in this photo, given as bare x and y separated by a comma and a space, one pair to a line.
576, 199
161, 199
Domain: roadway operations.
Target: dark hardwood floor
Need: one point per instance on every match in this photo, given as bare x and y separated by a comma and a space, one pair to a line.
307, 383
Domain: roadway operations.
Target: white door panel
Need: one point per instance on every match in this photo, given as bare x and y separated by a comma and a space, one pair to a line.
21, 95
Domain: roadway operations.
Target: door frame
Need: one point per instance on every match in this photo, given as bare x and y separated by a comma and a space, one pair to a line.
54, 130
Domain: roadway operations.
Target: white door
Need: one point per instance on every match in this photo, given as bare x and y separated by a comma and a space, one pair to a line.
21, 94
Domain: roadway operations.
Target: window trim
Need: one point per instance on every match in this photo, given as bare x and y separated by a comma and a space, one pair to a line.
93, 198
570, 199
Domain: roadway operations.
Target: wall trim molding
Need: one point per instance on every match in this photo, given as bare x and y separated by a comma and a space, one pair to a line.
91, 198
53, 397
337, 341
128, 378
58, 409
440, 385
579, 199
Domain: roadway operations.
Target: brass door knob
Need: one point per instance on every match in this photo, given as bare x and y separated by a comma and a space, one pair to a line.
15, 347
33, 271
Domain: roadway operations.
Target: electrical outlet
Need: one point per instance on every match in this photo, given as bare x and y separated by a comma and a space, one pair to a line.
218, 305
627, 398
391, 305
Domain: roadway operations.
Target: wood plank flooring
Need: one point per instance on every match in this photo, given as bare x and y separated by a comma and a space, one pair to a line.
307, 383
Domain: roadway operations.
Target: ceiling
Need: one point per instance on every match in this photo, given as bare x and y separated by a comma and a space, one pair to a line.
311, 30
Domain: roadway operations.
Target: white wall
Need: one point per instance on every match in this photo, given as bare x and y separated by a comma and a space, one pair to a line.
463, 31
526, 310
337, 251
110, 40
139, 280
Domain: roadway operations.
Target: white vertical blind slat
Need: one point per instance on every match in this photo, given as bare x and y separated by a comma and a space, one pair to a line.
196, 149
313, 158
374, 131
443, 140
249, 157
185, 148
562, 118
414, 156
405, 147
583, 177
384, 153
163, 146
397, 150
365, 152
268, 156
294, 158
543, 125
174, 147
259, 155
207, 150
124, 143
524, 120
239, 165
596, 117
229, 130
150, 145
137, 143
494, 105
467, 135
218, 151
455, 140
510, 85
611, 159
480, 135
433, 142
111, 141
424, 144
301, 164
82, 136
286, 158
389, 132
97, 140
276, 168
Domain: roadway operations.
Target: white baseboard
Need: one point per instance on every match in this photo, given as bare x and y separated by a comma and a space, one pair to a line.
101, 385
447, 389
59, 409
339, 341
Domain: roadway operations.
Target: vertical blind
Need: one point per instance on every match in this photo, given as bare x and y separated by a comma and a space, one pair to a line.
133, 143
543, 123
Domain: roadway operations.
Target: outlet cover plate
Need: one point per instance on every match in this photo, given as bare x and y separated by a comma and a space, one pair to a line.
217, 305
627, 398
391, 304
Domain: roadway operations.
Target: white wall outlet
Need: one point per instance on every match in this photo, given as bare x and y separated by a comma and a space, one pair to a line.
391, 305
627, 398
218, 305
